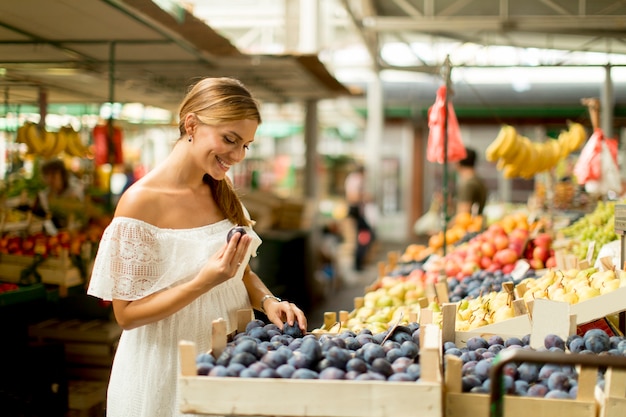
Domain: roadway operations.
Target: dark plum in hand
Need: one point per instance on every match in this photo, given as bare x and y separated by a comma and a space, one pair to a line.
236, 229
292, 330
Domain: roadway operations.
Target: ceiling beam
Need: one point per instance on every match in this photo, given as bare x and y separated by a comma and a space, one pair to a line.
600, 25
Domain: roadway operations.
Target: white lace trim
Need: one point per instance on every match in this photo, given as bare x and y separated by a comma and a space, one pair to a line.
136, 259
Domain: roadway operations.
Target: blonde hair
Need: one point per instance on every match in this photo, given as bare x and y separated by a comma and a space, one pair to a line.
214, 101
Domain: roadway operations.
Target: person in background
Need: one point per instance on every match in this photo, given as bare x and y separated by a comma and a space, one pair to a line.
63, 194
356, 199
166, 260
472, 191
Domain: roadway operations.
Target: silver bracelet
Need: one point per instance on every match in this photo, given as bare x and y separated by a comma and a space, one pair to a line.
265, 297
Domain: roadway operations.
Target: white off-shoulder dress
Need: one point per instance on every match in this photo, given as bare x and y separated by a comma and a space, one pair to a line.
136, 259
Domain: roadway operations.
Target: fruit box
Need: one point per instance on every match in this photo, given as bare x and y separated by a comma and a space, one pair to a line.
53, 270
460, 404
320, 398
23, 294
583, 312
613, 399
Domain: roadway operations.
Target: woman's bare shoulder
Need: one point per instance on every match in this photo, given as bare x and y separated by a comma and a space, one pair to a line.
140, 201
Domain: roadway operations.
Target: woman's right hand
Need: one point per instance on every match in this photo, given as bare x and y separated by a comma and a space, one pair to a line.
225, 263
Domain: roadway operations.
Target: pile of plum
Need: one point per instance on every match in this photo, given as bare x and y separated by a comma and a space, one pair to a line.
267, 351
481, 282
532, 379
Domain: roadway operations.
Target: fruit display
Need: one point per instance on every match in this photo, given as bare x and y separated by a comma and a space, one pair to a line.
8, 286
574, 285
47, 144
266, 351
518, 156
461, 225
547, 380
597, 226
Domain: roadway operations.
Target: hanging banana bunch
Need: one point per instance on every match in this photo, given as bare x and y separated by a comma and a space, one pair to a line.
517, 156
47, 144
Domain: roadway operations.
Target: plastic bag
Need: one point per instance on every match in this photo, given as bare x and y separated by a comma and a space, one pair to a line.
588, 165
430, 222
610, 179
436, 134
597, 166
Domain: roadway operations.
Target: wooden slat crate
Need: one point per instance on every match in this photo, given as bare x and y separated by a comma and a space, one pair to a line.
320, 398
459, 404
53, 270
583, 312
613, 399
89, 345
87, 398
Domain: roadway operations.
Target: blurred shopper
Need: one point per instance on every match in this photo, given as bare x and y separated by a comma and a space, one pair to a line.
357, 198
166, 261
472, 191
63, 196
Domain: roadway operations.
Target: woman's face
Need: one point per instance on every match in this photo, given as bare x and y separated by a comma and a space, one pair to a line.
217, 148
54, 181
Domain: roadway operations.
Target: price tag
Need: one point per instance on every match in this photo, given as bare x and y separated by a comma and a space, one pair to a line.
520, 269
50, 227
590, 251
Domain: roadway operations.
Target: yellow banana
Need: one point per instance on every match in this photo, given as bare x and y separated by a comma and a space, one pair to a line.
567, 143
513, 168
35, 138
22, 136
509, 144
528, 167
50, 142
539, 164
492, 153
74, 145
579, 134
60, 143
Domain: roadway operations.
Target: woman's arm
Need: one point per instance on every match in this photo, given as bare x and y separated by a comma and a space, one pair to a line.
277, 312
221, 267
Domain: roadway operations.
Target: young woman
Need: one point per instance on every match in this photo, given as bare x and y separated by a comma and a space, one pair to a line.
164, 260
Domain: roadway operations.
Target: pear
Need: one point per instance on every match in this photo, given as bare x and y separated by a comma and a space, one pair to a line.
610, 285
587, 293
503, 313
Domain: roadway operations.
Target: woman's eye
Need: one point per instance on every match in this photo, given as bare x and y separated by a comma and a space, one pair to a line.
246, 147
229, 140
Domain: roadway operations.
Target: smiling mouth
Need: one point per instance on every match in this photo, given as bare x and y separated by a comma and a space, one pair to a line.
223, 163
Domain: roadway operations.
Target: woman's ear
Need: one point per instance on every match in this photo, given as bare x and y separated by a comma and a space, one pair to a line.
190, 124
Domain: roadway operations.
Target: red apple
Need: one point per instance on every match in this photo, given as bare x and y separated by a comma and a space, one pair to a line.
501, 241
505, 256
488, 249
540, 253
496, 229
468, 268
508, 268
536, 264
495, 266
543, 239
485, 262
451, 269
551, 262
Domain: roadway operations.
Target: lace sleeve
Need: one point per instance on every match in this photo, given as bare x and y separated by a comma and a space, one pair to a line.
128, 264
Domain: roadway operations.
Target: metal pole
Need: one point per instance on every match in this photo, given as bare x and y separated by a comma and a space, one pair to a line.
446, 75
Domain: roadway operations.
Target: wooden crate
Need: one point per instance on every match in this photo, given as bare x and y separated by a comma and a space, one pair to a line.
87, 398
613, 399
89, 345
460, 404
581, 313
320, 398
53, 270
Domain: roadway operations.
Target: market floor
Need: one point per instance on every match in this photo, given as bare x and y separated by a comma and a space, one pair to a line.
340, 295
